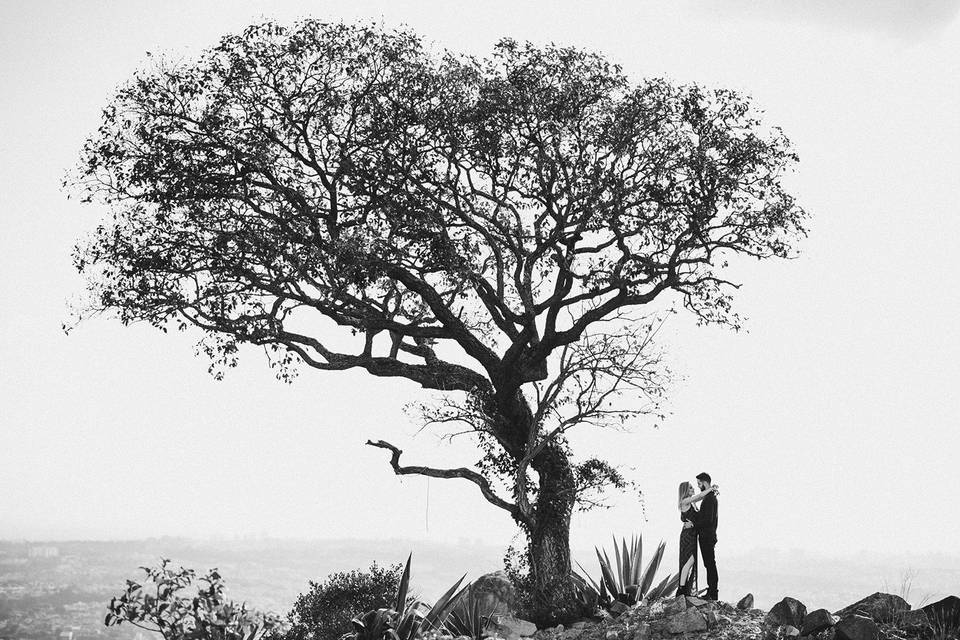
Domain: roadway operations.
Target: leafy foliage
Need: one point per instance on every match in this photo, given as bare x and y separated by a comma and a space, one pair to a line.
325, 611
626, 580
161, 604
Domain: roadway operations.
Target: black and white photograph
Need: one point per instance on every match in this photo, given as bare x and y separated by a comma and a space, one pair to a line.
490, 320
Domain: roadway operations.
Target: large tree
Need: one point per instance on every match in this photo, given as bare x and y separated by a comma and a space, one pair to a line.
501, 231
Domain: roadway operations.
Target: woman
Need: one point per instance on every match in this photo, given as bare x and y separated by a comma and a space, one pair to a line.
688, 537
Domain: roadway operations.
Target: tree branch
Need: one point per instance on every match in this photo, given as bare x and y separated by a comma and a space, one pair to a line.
466, 474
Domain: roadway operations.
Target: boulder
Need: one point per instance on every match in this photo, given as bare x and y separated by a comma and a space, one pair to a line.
746, 602
913, 617
687, 621
854, 627
675, 606
789, 631
816, 621
880, 607
695, 602
944, 613
495, 592
513, 628
788, 611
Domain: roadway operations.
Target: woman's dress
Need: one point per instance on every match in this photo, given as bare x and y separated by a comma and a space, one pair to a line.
688, 549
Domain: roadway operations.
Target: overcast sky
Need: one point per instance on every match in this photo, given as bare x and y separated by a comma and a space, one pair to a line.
831, 424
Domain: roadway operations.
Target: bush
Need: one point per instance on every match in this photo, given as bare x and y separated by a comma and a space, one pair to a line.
180, 606
325, 611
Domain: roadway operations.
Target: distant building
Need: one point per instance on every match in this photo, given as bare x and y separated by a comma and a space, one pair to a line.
43, 552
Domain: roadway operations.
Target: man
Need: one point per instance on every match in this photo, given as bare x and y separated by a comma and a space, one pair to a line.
707, 532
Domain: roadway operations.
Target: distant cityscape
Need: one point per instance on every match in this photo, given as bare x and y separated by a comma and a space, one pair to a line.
60, 590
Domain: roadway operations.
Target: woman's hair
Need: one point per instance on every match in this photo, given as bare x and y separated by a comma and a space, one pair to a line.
684, 490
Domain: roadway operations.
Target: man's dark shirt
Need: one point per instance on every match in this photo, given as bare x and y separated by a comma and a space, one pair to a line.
707, 520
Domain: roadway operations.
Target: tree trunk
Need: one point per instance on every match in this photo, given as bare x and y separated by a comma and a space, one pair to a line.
554, 600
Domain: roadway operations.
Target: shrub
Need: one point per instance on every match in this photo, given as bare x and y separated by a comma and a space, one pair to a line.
325, 611
170, 603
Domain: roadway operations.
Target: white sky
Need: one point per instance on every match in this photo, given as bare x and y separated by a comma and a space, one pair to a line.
830, 425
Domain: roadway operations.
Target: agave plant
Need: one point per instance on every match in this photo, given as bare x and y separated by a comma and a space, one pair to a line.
626, 580
470, 615
588, 596
408, 616
436, 618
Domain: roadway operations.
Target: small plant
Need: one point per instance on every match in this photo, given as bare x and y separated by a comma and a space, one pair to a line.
626, 580
161, 605
516, 565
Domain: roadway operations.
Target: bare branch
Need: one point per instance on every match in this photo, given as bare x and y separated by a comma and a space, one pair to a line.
466, 474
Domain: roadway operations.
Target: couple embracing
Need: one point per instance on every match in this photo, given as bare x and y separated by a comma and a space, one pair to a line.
698, 525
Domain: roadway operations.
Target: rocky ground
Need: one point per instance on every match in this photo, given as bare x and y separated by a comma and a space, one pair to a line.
877, 617
679, 618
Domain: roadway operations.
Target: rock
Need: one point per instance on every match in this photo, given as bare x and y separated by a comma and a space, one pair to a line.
617, 607
789, 631
579, 624
913, 617
513, 628
689, 620
643, 632
711, 619
496, 593
854, 627
788, 611
816, 621
746, 602
695, 602
944, 613
723, 621
881, 607
675, 606
611, 634
571, 634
